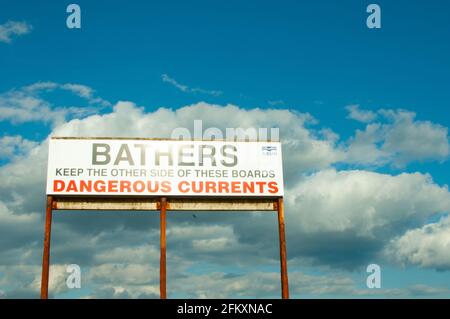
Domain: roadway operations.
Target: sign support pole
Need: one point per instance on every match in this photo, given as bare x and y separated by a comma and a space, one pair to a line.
283, 262
162, 241
46, 256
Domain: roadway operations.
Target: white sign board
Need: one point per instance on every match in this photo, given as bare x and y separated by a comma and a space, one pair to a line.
142, 167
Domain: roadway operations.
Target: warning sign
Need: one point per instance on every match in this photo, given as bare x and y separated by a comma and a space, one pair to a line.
138, 167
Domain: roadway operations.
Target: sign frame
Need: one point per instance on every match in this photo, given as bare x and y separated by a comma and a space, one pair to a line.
274, 185
162, 204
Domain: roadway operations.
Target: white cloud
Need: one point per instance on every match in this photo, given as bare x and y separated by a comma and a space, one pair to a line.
364, 203
399, 141
27, 104
10, 219
207, 238
425, 290
12, 146
364, 147
18, 231
137, 254
57, 279
168, 79
355, 113
18, 107
85, 92
135, 281
411, 140
258, 285
125, 274
18, 281
266, 285
80, 90
41, 86
23, 181
12, 29
119, 292
184, 88
427, 246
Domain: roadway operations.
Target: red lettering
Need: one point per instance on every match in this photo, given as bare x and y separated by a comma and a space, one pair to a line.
125, 186
72, 187
85, 186
261, 186
166, 187
224, 187
58, 185
154, 189
248, 187
138, 186
112, 187
210, 187
273, 187
182, 188
235, 187
99, 186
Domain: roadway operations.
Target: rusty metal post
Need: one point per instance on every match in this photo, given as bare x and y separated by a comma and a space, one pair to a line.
46, 255
162, 242
283, 262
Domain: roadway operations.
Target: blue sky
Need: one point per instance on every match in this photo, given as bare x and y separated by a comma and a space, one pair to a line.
313, 57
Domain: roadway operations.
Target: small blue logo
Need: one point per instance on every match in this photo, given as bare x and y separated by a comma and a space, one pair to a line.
269, 150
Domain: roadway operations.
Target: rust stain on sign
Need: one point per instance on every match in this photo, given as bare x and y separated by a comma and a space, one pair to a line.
174, 204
